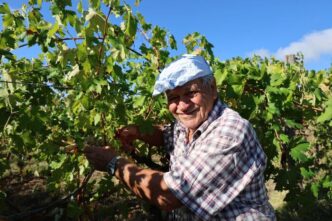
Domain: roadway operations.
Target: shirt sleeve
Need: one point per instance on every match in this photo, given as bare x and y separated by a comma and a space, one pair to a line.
215, 172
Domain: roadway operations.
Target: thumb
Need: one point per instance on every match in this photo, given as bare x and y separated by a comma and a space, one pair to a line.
87, 149
128, 147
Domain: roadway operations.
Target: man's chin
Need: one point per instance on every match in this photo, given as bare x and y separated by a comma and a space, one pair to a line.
189, 125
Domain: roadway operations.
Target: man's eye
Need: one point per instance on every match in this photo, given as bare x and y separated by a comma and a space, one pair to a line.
172, 99
191, 93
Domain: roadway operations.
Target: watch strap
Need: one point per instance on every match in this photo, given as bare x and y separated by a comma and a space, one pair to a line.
111, 165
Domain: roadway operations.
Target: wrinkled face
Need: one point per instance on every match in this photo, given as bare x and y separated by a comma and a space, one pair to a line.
191, 103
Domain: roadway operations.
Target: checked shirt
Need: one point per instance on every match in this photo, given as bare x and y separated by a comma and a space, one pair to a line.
219, 175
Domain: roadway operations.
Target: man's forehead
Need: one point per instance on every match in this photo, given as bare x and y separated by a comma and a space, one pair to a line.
194, 84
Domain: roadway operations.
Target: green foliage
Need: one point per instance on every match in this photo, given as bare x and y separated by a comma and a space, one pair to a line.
89, 80
290, 108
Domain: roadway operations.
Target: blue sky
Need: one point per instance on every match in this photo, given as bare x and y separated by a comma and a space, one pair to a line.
242, 28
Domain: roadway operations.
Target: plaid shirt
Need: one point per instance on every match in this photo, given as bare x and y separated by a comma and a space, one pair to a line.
219, 175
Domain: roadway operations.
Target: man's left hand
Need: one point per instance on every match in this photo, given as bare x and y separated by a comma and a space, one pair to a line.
99, 156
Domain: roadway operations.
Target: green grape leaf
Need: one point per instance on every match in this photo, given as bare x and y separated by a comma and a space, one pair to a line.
220, 76
299, 152
315, 189
307, 174
327, 114
131, 24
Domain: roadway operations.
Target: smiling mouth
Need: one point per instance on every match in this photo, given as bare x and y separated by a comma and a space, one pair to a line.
191, 112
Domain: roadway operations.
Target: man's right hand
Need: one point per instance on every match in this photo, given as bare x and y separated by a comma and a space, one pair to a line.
127, 135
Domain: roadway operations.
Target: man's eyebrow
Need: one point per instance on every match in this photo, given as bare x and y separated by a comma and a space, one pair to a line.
169, 94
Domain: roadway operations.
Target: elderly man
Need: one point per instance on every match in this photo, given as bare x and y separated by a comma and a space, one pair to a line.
216, 162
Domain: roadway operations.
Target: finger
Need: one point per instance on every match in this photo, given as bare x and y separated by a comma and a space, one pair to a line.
117, 133
126, 131
129, 148
126, 142
88, 149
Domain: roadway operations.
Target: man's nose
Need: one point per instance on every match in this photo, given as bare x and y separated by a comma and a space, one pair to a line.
184, 104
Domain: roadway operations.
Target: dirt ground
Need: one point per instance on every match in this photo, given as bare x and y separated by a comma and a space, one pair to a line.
27, 199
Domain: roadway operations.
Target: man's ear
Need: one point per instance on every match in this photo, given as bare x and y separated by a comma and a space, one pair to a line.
214, 91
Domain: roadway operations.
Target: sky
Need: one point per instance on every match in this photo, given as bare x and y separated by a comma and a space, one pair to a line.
243, 28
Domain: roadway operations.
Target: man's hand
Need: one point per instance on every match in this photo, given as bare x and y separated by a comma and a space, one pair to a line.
127, 135
99, 156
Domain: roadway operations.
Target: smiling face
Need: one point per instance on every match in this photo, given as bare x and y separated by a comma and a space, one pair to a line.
191, 103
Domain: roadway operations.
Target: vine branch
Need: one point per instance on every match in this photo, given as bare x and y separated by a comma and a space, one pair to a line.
36, 84
81, 38
104, 37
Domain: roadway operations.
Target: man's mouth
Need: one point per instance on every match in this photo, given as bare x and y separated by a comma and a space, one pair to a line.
191, 112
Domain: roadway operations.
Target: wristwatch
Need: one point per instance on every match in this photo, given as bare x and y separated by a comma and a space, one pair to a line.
111, 166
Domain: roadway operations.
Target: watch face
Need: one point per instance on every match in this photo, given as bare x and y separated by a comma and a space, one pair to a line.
111, 166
